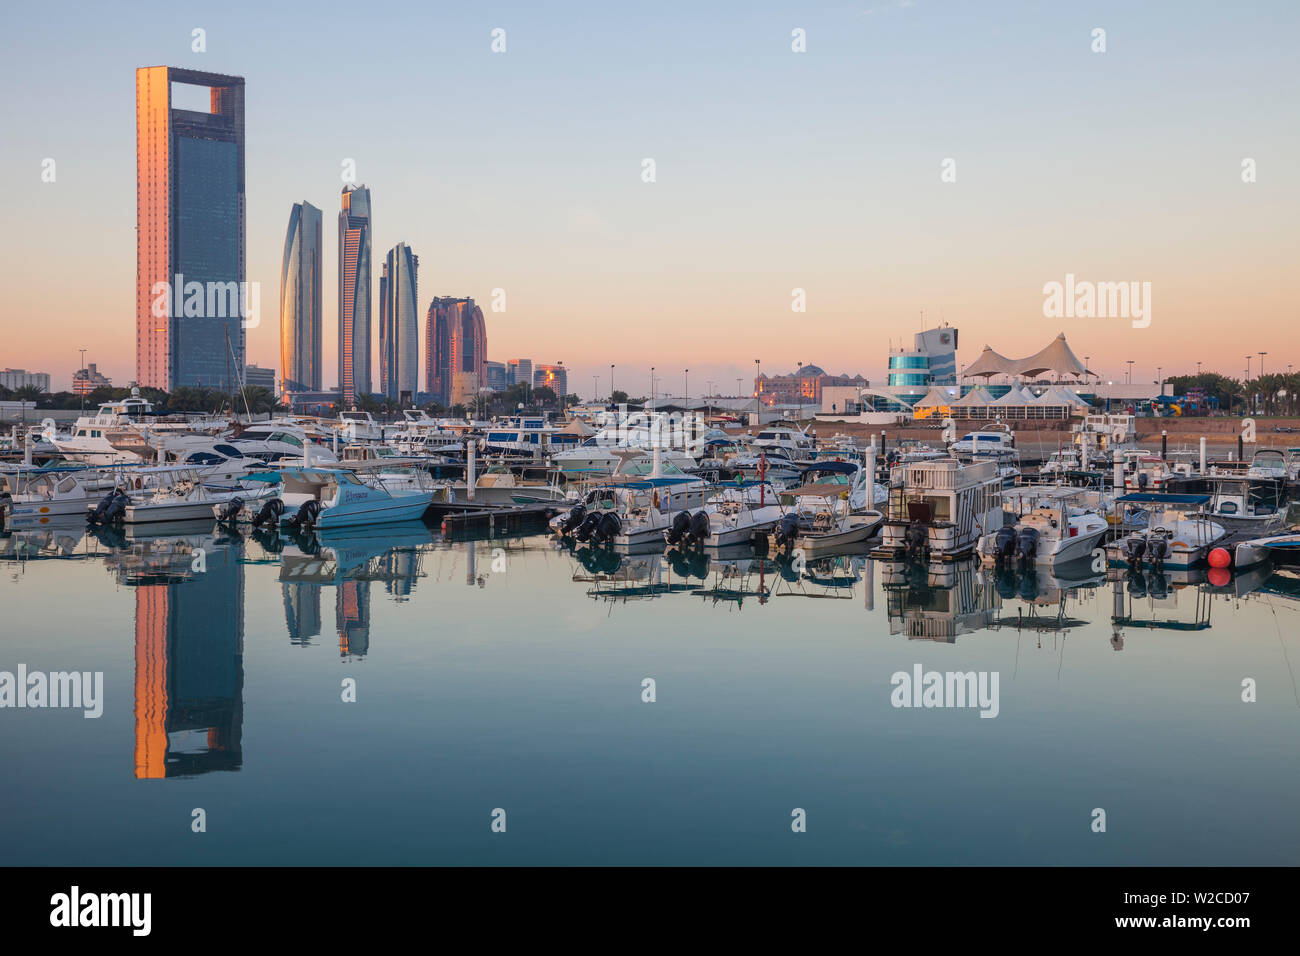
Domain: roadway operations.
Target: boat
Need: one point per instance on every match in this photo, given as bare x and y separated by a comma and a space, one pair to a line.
1177, 534
1146, 472
1268, 463
27, 493
940, 509
796, 443
820, 519
990, 440
1248, 506
325, 498
187, 497
739, 512
847, 476
127, 431
1048, 535
1282, 549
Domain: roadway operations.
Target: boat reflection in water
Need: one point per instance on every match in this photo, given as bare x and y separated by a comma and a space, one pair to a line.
938, 602
349, 561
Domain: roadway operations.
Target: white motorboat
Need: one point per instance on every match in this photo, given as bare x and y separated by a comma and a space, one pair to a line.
1177, 533
1049, 535
327, 498
736, 514
1247, 505
820, 519
188, 498
27, 493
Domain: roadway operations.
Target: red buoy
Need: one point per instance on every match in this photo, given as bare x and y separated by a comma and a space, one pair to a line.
1219, 577
1220, 558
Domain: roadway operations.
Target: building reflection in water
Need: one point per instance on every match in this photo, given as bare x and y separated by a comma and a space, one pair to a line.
189, 654
350, 562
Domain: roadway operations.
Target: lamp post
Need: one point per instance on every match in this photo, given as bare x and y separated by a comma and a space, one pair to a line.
758, 385
611, 383
1087, 359
1129, 375
1160, 379
687, 397
798, 381
652, 387
595, 389
84, 383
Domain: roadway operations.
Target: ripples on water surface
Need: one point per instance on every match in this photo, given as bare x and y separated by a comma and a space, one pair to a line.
508, 673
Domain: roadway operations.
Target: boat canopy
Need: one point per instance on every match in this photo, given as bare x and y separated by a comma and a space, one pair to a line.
1152, 497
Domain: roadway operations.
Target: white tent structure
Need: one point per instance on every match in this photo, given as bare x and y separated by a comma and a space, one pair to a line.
1056, 358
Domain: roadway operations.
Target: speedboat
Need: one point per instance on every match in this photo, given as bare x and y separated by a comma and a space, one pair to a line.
1048, 535
736, 514
324, 498
820, 519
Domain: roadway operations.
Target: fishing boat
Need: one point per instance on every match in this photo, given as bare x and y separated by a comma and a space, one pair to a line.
940, 509
820, 519
27, 493
325, 498
1248, 506
1048, 535
738, 513
1178, 534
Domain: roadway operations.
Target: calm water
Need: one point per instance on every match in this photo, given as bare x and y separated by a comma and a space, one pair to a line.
508, 674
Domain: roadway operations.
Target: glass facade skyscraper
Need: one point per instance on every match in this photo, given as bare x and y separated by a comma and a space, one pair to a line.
190, 252
399, 344
455, 348
300, 301
354, 294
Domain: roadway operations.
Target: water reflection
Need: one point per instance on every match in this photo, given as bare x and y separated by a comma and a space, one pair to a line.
189, 582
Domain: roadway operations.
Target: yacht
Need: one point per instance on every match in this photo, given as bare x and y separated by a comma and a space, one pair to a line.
126, 431
990, 440
1268, 463
797, 444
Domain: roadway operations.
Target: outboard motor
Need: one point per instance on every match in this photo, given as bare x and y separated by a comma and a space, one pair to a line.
232, 509
1143, 478
1135, 546
681, 524
100, 514
787, 529
270, 514
916, 540
116, 509
585, 530
699, 527
1005, 544
306, 516
1027, 545
574, 518
607, 528
1157, 550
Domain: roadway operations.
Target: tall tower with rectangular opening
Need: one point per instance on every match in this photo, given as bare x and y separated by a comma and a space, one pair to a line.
190, 243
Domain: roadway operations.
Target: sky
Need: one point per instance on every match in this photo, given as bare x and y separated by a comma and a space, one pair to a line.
775, 170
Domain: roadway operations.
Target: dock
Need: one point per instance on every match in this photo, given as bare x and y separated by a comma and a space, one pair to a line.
471, 517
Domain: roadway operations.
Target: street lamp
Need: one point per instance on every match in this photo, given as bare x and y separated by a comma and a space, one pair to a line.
1130, 372
611, 382
1087, 360
595, 389
758, 384
652, 386
84, 383
687, 373
798, 381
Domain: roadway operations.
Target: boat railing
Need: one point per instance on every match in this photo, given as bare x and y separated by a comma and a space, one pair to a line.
949, 474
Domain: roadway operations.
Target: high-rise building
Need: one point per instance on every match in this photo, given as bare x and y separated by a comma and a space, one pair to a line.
496, 376
354, 294
519, 372
399, 344
455, 342
554, 377
190, 256
300, 301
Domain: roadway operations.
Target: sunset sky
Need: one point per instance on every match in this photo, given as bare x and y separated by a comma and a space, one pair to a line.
775, 170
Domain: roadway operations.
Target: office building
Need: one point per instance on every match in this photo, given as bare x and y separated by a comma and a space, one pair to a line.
354, 294
301, 323
399, 348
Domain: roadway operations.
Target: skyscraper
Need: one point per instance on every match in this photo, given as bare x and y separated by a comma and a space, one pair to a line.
300, 301
190, 256
354, 294
554, 377
399, 347
455, 349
